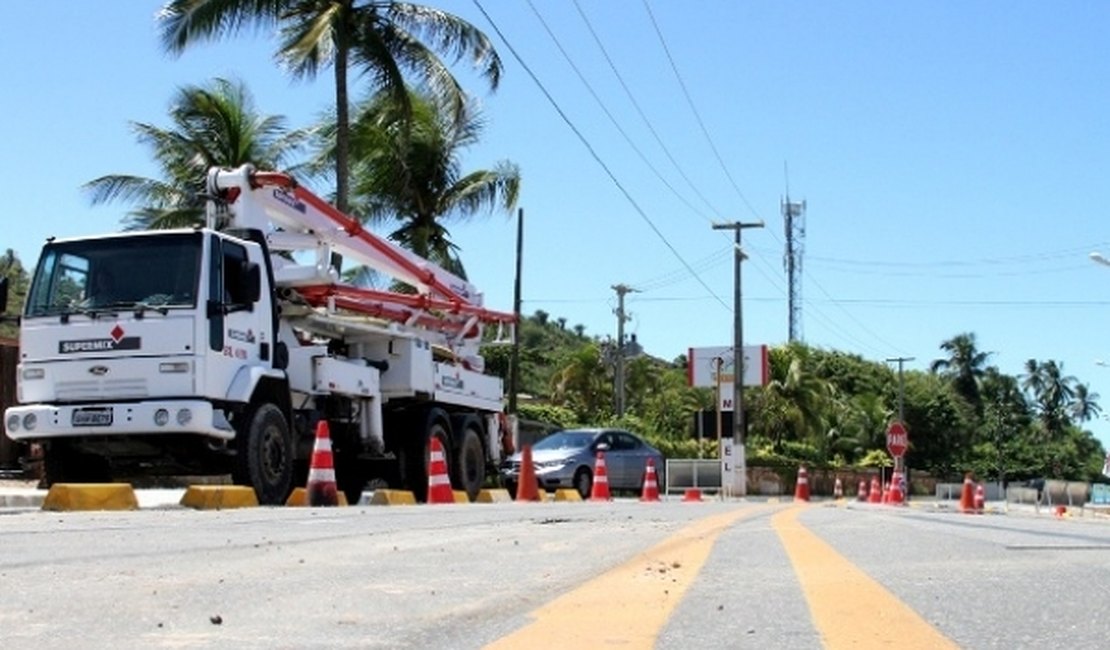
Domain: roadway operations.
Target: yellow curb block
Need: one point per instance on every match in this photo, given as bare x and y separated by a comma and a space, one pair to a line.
567, 494
299, 498
461, 496
497, 495
90, 496
393, 498
219, 497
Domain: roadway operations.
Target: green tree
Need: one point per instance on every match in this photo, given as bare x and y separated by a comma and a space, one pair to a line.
1053, 393
965, 365
213, 125
1084, 406
583, 384
11, 269
796, 403
407, 164
381, 37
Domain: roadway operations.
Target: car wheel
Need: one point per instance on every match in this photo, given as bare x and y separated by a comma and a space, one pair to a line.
583, 482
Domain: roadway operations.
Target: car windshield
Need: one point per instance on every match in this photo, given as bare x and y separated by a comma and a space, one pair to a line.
566, 440
117, 272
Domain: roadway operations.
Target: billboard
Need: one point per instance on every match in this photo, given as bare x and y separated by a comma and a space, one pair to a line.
705, 363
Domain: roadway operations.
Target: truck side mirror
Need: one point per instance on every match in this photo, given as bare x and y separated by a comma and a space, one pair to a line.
3, 295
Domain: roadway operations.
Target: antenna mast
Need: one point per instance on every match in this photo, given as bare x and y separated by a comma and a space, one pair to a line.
794, 215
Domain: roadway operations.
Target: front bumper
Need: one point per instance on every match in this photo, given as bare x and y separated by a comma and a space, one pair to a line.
549, 477
132, 418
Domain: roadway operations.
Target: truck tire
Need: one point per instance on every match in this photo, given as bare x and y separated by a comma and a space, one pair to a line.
414, 451
264, 454
470, 459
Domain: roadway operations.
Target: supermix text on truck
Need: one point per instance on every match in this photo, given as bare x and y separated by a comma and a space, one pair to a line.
217, 350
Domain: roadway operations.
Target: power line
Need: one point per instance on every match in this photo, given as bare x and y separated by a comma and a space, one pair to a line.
639, 110
605, 109
594, 154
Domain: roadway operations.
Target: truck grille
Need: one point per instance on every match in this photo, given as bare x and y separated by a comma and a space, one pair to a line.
102, 389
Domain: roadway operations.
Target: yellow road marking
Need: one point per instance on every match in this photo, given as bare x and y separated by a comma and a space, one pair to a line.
836, 590
629, 605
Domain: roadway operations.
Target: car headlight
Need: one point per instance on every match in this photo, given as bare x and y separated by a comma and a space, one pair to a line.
551, 464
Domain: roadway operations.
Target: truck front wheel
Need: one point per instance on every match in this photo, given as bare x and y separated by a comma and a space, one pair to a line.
264, 454
470, 460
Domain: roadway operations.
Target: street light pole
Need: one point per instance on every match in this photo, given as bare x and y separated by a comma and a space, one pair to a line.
738, 356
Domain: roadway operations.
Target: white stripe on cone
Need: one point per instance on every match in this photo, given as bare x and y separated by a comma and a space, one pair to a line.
320, 475
439, 479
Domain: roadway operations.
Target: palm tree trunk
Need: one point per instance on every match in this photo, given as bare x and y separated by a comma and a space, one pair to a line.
342, 127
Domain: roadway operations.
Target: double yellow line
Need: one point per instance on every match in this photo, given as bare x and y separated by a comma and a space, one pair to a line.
629, 605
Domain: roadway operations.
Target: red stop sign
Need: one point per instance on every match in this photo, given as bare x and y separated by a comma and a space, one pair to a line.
897, 440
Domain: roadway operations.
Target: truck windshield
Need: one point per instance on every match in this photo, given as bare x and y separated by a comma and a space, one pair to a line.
147, 271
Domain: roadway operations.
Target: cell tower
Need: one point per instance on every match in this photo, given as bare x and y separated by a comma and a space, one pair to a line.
794, 217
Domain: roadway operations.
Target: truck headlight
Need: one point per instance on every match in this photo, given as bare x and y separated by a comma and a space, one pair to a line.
161, 417
29, 421
13, 422
184, 416
176, 366
34, 373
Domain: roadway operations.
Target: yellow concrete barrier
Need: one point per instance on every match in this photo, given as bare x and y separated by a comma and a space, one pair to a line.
299, 498
219, 497
461, 496
567, 494
90, 496
497, 495
392, 498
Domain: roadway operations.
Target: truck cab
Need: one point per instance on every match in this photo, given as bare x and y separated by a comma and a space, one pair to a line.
137, 347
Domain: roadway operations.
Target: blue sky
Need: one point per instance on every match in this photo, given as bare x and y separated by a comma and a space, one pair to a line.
952, 157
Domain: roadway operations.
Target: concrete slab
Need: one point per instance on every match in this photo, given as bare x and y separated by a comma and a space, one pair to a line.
90, 496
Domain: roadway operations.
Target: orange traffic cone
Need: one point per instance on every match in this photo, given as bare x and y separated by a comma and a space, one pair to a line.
439, 484
876, 495
838, 489
691, 494
801, 488
861, 494
980, 499
651, 485
896, 498
321, 489
600, 489
527, 489
966, 497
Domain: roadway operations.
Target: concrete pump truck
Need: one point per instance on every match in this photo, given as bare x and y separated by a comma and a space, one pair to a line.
218, 349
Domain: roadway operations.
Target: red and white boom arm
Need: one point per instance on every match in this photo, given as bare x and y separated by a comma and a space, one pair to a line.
294, 219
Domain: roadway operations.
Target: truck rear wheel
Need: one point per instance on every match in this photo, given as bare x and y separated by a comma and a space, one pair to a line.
427, 424
470, 459
264, 454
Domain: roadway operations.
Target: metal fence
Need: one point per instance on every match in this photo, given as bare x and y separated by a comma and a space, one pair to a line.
687, 473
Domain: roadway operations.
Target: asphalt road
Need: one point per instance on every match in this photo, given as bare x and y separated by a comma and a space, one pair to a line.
625, 574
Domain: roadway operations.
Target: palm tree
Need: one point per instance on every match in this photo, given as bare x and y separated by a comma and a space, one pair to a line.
1052, 392
583, 383
382, 37
797, 402
1084, 406
213, 125
410, 171
965, 365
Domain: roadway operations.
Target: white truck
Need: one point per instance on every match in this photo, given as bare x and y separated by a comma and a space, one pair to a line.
218, 349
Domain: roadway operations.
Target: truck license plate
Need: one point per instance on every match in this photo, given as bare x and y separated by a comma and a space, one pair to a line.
95, 417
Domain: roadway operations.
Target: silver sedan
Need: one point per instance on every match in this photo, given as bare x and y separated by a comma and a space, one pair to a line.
566, 459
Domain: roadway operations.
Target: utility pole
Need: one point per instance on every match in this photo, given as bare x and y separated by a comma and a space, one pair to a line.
514, 363
738, 355
900, 462
621, 290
